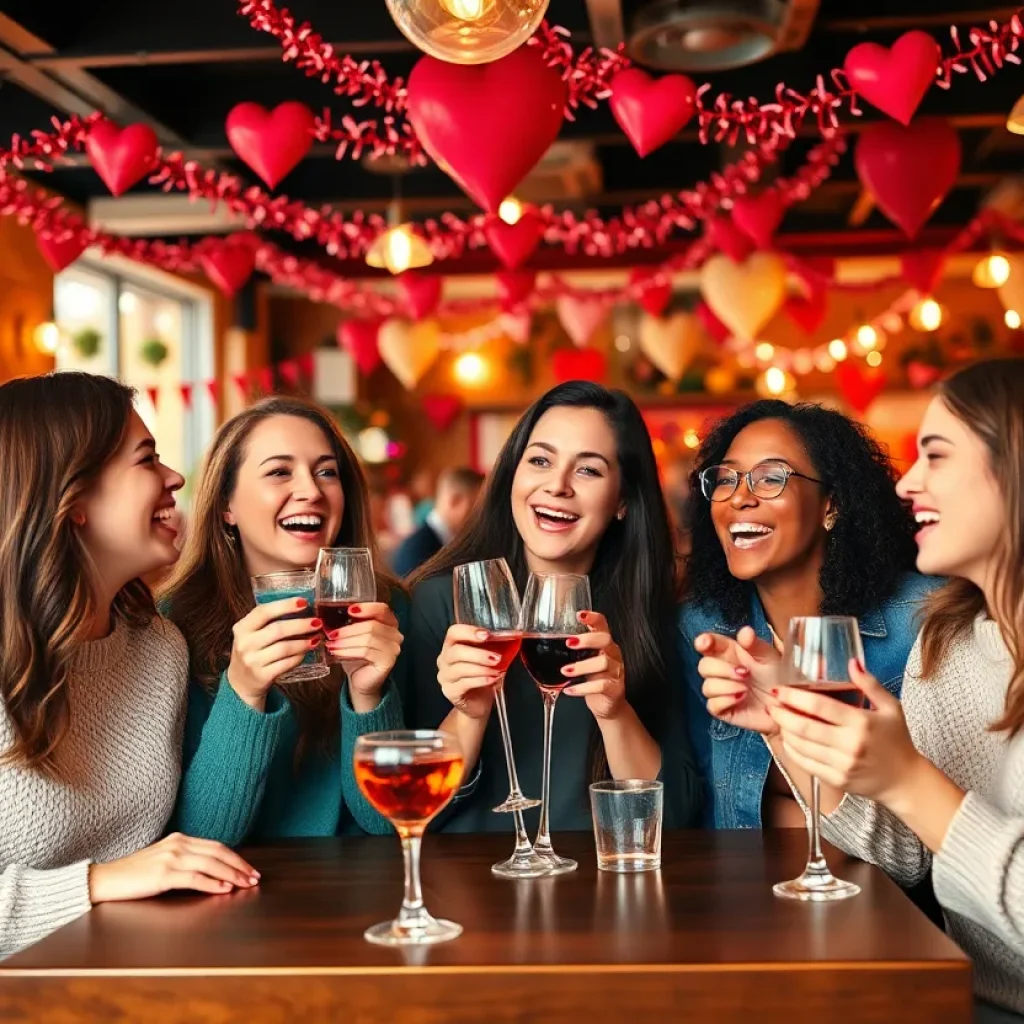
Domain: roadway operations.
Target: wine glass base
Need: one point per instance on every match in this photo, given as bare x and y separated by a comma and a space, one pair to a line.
816, 889
558, 865
393, 933
516, 803
522, 865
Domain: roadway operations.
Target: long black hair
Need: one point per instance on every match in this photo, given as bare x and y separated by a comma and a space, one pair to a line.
872, 543
633, 580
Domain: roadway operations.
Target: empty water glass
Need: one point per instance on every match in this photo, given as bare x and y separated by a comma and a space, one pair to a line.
627, 824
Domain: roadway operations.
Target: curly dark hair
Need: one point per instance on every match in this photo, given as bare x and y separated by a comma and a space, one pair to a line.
869, 550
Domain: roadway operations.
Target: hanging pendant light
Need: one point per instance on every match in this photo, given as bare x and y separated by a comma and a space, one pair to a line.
467, 31
399, 248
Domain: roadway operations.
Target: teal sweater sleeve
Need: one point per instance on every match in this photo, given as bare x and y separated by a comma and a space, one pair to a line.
228, 751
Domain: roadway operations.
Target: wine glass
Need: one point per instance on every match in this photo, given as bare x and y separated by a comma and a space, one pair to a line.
486, 597
344, 577
409, 776
551, 606
817, 658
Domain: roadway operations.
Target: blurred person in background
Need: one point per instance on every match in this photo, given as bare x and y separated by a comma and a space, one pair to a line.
422, 486
678, 496
457, 491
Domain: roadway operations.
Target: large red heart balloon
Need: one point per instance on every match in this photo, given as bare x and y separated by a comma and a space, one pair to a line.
579, 364
909, 171
60, 252
359, 339
651, 112
121, 156
859, 387
923, 268
487, 125
420, 292
230, 263
514, 286
654, 295
726, 237
896, 79
759, 217
271, 142
441, 410
514, 244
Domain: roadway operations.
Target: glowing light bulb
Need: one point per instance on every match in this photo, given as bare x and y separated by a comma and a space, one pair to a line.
470, 369
399, 249
1012, 319
837, 349
622, 343
992, 271
764, 351
867, 337
775, 380
926, 316
691, 438
47, 338
510, 211
873, 359
465, 10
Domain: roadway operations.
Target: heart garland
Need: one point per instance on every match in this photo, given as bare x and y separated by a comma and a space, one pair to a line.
859, 387
409, 349
744, 296
442, 410
581, 316
759, 217
121, 157
59, 253
271, 143
420, 292
579, 364
359, 339
654, 296
671, 344
896, 79
650, 111
229, 262
514, 244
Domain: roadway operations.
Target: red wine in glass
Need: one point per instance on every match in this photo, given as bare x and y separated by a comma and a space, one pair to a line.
334, 614
505, 645
845, 693
546, 654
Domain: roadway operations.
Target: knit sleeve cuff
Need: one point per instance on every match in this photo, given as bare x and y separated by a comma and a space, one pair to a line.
385, 717
254, 731
35, 902
979, 869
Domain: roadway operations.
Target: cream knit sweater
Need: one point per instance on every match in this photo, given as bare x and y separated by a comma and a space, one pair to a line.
123, 751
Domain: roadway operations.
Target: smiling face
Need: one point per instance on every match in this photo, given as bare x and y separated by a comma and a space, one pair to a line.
127, 519
288, 500
764, 536
955, 499
566, 489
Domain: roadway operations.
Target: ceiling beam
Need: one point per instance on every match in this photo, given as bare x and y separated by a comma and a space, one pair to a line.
970, 16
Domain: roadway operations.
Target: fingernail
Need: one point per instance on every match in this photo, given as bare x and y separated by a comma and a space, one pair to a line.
774, 692
583, 616
573, 641
860, 666
568, 671
355, 610
740, 672
739, 695
481, 634
333, 635
313, 641
256, 874
254, 879
315, 623
301, 603
493, 658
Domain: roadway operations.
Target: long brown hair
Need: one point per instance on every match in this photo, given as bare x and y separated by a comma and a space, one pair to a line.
57, 432
989, 398
210, 590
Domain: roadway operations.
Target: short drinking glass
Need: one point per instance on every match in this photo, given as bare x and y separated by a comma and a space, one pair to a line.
279, 586
409, 776
627, 824
344, 577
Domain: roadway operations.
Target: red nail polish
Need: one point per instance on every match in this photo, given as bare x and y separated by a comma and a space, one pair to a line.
314, 641
315, 623
493, 658
573, 641
860, 666
302, 603
774, 692
739, 695
355, 610
568, 671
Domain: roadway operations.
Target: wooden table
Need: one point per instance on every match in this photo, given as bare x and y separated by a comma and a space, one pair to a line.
702, 940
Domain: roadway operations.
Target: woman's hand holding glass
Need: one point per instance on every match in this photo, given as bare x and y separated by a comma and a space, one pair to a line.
739, 675
467, 672
605, 673
367, 651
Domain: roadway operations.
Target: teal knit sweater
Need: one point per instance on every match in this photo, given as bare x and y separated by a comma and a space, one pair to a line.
239, 780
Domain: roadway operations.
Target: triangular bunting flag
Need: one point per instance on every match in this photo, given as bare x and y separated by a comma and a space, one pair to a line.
186, 395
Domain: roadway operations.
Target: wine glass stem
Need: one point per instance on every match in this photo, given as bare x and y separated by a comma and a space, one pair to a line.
506, 740
413, 914
543, 842
816, 865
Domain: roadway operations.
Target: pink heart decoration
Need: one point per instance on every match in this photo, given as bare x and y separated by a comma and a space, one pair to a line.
121, 156
726, 237
514, 244
60, 253
229, 262
514, 287
909, 171
759, 217
896, 79
651, 112
420, 292
271, 142
716, 330
517, 325
441, 410
654, 296
580, 316
859, 387
487, 125
922, 269
579, 364
359, 339
807, 311
922, 375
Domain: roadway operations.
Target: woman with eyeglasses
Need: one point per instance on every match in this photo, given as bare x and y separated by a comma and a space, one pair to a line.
798, 517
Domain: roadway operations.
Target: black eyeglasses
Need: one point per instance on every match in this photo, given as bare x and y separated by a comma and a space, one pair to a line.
765, 480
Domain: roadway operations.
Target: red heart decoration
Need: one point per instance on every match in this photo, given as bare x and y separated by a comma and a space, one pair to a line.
271, 142
442, 410
654, 297
514, 287
909, 171
859, 387
726, 237
579, 364
487, 125
922, 375
420, 292
896, 79
759, 217
60, 253
651, 112
121, 156
807, 311
714, 327
514, 244
229, 263
922, 269
359, 339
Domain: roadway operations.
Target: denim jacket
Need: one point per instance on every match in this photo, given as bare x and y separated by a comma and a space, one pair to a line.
734, 762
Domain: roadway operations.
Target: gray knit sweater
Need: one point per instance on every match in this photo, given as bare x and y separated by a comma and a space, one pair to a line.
978, 873
123, 754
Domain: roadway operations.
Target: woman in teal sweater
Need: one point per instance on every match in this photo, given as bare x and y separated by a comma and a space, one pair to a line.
264, 761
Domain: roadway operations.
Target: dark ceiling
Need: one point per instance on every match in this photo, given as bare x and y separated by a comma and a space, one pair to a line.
183, 64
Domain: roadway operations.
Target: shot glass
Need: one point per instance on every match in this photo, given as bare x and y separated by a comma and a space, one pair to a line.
627, 824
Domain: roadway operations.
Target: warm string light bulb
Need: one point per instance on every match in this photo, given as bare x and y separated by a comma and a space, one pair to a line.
764, 351
47, 338
470, 369
837, 349
926, 316
1012, 319
510, 210
992, 271
867, 337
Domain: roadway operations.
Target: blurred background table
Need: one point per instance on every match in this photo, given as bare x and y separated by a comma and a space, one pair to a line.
702, 940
